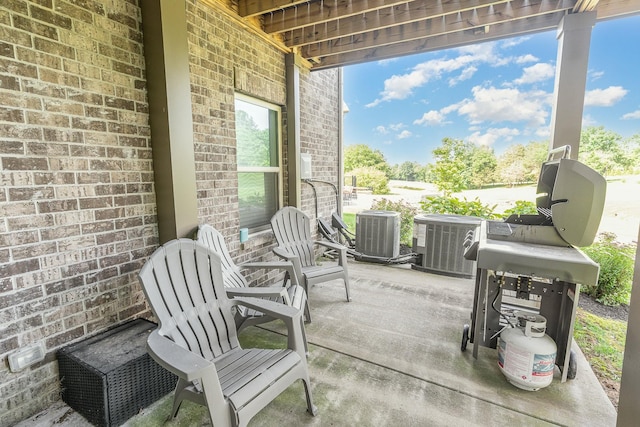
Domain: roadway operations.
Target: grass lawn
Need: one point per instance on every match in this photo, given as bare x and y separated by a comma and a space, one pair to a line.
350, 220
602, 341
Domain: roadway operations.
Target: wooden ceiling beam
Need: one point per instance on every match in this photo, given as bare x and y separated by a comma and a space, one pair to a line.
476, 20
608, 9
318, 12
287, 20
461, 38
585, 6
247, 8
417, 13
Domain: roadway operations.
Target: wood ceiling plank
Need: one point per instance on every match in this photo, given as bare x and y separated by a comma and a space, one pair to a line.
317, 12
498, 31
585, 5
397, 16
477, 20
247, 8
288, 20
608, 9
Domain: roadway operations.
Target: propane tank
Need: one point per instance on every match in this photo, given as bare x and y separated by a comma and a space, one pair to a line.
526, 355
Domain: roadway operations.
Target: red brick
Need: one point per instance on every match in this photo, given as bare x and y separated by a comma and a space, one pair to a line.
11, 115
30, 193
57, 206
65, 337
18, 163
35, 27
9, 82
50, 17
6, 49
20, 297
90, 5
74, 12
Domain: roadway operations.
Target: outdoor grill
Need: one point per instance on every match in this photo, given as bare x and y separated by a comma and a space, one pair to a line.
531, 263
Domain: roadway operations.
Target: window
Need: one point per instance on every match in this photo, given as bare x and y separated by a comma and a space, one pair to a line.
258, 148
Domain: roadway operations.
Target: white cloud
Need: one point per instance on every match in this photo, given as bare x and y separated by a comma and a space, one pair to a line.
492, 135
404, 134
431, 118
524, 59
631, 116
543, 132
508, 43
396, 126
594, 75
385, 62
536, 73
604, 97
466, 74
382, 130
506, 105
401, 86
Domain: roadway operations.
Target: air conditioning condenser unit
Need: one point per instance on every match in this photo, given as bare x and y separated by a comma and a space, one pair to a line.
378, 233
439, 239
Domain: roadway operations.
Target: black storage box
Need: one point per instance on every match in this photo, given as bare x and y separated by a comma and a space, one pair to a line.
108, 378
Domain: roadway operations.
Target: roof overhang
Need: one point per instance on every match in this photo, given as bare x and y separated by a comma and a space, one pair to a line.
335, 33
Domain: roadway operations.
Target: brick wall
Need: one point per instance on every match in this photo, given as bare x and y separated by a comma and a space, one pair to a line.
77, 196
232, 60
319, 134
77, 202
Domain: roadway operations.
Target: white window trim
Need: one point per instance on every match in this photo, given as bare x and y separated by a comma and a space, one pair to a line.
277, 169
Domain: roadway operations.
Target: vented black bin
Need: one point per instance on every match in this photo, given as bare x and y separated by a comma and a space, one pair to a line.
108, 378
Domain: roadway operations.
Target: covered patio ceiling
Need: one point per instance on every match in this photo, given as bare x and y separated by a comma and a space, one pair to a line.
335, 33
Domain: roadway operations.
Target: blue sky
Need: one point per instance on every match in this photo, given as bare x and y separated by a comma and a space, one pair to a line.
496, 93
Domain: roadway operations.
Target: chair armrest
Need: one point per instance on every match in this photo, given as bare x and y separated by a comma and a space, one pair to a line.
296, 273
291, 317
265, 264
342, 251
330, 245
174, 358
260, 292
284, 253
282, 265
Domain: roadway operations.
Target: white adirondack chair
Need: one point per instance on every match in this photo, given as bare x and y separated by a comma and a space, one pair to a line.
197, 339
287, 292
292, 229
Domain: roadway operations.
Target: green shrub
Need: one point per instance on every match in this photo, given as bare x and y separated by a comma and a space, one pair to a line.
407, 212
453, 205
616, 270
522, 207
372, 178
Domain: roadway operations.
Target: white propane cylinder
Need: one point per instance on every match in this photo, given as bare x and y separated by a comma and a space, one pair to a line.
526, 355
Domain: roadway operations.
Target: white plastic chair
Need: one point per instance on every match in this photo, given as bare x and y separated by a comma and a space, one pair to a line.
197, 339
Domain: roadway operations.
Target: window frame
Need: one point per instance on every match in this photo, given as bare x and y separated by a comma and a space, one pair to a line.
263, 169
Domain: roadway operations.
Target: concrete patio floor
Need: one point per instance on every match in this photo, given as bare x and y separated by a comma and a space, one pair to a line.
392, 357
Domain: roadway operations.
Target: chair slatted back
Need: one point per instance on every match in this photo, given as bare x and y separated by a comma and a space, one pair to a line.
211, 238
292, 229
182, 281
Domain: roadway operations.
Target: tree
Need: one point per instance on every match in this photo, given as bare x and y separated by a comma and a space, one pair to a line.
408, 171
602, 150
255, 147
631, 146
451, 171
483, 166
372, 178
362, 156
521, 163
